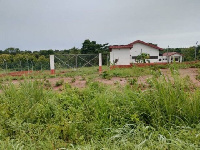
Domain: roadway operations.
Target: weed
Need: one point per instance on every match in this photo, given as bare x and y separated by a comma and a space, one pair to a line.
83, 78
59, 82
47, 84
106, 75
73, 80
132, 81
163, 116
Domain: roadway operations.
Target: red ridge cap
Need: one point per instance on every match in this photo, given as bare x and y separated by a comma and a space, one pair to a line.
120, 46
171, 53
148, 44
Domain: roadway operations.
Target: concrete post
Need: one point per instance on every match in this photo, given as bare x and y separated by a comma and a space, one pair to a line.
100, 62
181, 58
52, 67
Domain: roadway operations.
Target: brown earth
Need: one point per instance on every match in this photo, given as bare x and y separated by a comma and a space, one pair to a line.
191, 72
79, 82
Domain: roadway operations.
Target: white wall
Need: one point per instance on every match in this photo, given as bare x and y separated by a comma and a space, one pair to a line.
139, 48
123, 56
175, 56
163, 59
172, 57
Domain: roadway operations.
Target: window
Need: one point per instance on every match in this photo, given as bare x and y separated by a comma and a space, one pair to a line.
134, 57
153, 57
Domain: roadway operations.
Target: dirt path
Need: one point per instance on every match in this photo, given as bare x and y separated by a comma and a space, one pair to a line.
191, 72
80, 82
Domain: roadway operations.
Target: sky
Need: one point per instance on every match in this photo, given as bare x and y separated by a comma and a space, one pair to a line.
63, 24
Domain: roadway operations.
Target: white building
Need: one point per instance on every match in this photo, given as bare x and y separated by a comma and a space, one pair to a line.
127, 54
172, 57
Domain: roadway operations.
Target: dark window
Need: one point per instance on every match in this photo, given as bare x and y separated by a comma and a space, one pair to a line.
134, 57
160, 54
176, 59
153, 57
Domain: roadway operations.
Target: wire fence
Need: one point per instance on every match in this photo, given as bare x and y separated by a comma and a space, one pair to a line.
68, 61
24, 66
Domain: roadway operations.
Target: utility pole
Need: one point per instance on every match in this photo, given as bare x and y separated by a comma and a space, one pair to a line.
167, 54
196, 51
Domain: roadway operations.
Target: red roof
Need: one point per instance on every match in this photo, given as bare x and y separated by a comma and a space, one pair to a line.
131, 45
170, 53
148, 44
120, 46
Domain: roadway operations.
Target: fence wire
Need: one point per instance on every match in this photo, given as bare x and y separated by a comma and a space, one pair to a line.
24, 66
66, 61
76, 60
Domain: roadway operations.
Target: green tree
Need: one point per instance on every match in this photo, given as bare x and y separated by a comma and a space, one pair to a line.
142, 58
74, 50
12, 50
188, 53
42, 63
91, 47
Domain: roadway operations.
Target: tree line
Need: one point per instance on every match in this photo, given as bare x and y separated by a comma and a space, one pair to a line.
188, 53
16, 59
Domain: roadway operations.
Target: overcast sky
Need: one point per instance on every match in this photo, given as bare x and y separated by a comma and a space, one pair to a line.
63, 24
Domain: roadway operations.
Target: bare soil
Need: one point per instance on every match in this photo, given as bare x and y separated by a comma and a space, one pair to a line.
191, 72
79, 82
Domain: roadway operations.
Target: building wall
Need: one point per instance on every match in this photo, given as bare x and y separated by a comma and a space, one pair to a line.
172, 58
122, 55
163, 58
139, 48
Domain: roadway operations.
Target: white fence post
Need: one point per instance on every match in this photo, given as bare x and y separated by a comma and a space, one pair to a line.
52, 67
100, 62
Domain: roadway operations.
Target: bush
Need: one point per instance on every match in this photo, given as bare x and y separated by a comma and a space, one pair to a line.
59, 82
165, 116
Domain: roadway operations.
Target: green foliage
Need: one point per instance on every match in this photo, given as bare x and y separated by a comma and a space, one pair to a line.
129, 72
142, 58
105, 75
24, 61
47, 84
59, 82
164, 116
188, 53
73, 80
74, 50
14, 59
132, 81
91, 47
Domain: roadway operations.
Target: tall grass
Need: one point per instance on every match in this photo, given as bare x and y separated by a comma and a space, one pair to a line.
130, 72
164, 116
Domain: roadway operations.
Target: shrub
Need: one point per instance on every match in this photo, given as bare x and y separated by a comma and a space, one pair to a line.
59, 82
106, 75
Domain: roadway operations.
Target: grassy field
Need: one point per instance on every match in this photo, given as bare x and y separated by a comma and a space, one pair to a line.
165, 115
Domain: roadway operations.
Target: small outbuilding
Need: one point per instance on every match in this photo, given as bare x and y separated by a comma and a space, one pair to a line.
172, 57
